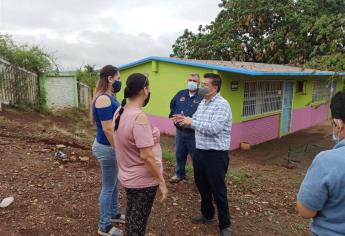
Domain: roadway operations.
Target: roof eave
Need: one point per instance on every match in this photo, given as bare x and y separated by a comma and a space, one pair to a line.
229, 69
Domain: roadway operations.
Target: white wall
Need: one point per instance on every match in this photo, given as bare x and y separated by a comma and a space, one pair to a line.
61, 92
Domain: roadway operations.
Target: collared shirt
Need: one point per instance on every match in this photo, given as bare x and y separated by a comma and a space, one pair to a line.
212, 124
323, 191
184, 103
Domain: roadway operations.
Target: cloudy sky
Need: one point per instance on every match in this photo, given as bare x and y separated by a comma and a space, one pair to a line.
103, 31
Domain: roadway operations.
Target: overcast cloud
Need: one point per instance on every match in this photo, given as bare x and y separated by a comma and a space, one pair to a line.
103, 32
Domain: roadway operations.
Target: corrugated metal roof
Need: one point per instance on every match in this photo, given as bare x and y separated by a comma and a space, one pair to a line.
245, 68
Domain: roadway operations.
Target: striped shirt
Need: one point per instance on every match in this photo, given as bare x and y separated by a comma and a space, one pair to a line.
212, 124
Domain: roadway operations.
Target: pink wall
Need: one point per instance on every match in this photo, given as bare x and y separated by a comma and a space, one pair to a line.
305, 117
259, 130
164, 124
253, 132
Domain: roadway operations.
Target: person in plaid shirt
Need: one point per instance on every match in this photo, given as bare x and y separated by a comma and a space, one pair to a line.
212, 125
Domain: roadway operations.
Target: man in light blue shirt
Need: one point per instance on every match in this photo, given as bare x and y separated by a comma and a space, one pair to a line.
322, 193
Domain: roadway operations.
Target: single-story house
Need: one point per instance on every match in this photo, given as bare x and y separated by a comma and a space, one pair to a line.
268, 101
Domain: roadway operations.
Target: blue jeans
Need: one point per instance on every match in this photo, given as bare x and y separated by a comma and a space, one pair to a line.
108, 198
185, 144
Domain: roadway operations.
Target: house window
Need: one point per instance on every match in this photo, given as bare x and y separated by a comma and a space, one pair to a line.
261, 97
321, 90
300, 85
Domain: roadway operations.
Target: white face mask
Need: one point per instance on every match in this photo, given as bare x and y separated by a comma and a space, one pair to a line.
337, 129
192, 86
334, 136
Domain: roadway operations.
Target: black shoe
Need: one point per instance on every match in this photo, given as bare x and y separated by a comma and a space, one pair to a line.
200, 219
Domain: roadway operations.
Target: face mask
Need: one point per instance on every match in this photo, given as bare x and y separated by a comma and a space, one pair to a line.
147, 99
202, 91
192, 86
116, 86
335, 135
335, 139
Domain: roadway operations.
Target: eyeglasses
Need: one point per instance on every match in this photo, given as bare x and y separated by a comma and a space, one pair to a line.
192, 80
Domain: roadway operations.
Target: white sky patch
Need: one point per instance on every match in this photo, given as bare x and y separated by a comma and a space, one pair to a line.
104, 31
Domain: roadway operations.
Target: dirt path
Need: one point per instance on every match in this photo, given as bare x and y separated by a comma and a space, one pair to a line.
60, 198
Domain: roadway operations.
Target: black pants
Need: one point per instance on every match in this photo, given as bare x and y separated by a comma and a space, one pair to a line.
210, 168
139, 204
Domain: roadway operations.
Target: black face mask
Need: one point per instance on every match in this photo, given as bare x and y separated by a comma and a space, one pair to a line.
147, 99
116, 86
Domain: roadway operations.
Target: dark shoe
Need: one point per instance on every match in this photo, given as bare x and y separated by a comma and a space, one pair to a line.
120, 218
225, 232
200, 219
176, 179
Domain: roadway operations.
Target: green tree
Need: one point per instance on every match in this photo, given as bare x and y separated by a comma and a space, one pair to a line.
32, 58
269, 31
88, 75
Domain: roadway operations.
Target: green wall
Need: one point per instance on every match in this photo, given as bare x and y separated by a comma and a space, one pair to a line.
166, 79
164, 84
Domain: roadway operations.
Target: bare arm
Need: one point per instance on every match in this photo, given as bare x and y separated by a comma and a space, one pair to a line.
304, 211
108, 131
148, 156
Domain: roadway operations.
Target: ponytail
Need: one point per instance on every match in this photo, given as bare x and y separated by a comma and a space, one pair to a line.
122, 109
134, 84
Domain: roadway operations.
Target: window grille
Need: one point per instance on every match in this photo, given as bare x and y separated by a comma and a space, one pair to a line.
262, 97
321, 90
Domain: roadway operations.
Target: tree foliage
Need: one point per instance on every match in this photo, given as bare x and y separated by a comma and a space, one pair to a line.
271, 31
88, 75
32, 58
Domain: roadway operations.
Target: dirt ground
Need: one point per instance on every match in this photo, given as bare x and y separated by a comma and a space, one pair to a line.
54, 197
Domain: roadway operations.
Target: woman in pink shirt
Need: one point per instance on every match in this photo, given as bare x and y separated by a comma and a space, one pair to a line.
139, 154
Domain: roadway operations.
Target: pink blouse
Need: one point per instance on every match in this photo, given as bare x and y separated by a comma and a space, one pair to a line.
128, 138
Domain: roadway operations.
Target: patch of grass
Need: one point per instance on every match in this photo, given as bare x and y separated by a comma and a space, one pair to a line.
239, 176
189, 169
168, 155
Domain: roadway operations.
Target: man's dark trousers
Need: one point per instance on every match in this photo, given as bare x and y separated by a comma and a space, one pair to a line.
210, 168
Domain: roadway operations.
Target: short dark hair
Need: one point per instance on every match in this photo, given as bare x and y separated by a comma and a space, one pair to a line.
216, 80
338, 106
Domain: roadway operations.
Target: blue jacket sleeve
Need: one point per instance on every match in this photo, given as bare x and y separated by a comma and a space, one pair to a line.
172, 106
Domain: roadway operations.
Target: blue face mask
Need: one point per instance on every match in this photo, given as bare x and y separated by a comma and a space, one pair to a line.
192, 86
116, 86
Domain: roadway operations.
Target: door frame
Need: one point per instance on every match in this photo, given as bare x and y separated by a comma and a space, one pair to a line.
282, 113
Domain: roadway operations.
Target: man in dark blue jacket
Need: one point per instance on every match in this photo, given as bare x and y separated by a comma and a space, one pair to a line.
185, 102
